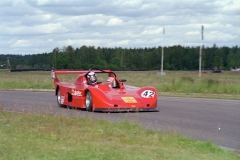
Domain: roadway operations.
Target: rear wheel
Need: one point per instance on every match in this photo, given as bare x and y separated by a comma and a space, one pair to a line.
88, 102
59, 99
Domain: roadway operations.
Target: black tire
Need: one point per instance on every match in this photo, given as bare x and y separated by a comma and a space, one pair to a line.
59, 99
88, 101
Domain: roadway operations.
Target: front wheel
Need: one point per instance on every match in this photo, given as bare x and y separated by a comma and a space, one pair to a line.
88, 102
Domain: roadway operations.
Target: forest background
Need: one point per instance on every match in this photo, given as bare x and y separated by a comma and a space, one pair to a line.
175, 58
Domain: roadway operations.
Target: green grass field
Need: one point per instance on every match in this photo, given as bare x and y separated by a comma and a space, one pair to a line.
174, 83
50, 137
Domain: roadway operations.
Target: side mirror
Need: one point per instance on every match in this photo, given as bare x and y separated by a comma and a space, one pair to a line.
123, 80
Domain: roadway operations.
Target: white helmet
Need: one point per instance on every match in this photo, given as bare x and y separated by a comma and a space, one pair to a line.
92, 77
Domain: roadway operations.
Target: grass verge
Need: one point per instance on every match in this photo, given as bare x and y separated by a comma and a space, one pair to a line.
175, 83
30, 136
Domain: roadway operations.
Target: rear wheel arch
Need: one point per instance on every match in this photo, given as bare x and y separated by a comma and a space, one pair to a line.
56, 90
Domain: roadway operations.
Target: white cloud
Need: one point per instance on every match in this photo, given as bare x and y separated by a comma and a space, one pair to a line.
18, 3
114, 22
45, 2
38, 26
98, 22
133, 4
194, 33
152, 31
21, 43
35, 30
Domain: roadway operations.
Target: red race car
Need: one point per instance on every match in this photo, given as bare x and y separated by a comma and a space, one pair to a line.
108, 96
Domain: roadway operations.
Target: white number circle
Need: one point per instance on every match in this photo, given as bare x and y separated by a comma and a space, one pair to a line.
148, 94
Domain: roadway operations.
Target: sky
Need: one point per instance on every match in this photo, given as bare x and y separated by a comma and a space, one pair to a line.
39, 26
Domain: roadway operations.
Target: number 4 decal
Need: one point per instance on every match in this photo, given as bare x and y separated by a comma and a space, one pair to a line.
148, 94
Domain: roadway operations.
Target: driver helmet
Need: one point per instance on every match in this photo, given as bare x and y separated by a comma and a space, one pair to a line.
92, 77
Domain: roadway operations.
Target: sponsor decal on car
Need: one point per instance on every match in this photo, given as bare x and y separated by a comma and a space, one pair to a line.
76, 92
129, 99
62, 98
148, 94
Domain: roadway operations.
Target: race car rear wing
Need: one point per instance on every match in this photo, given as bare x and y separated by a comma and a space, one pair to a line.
54, 73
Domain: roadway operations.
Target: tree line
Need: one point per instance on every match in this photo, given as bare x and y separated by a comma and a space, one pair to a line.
175, 58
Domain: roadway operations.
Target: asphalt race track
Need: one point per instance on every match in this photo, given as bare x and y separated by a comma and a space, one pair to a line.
212, 120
